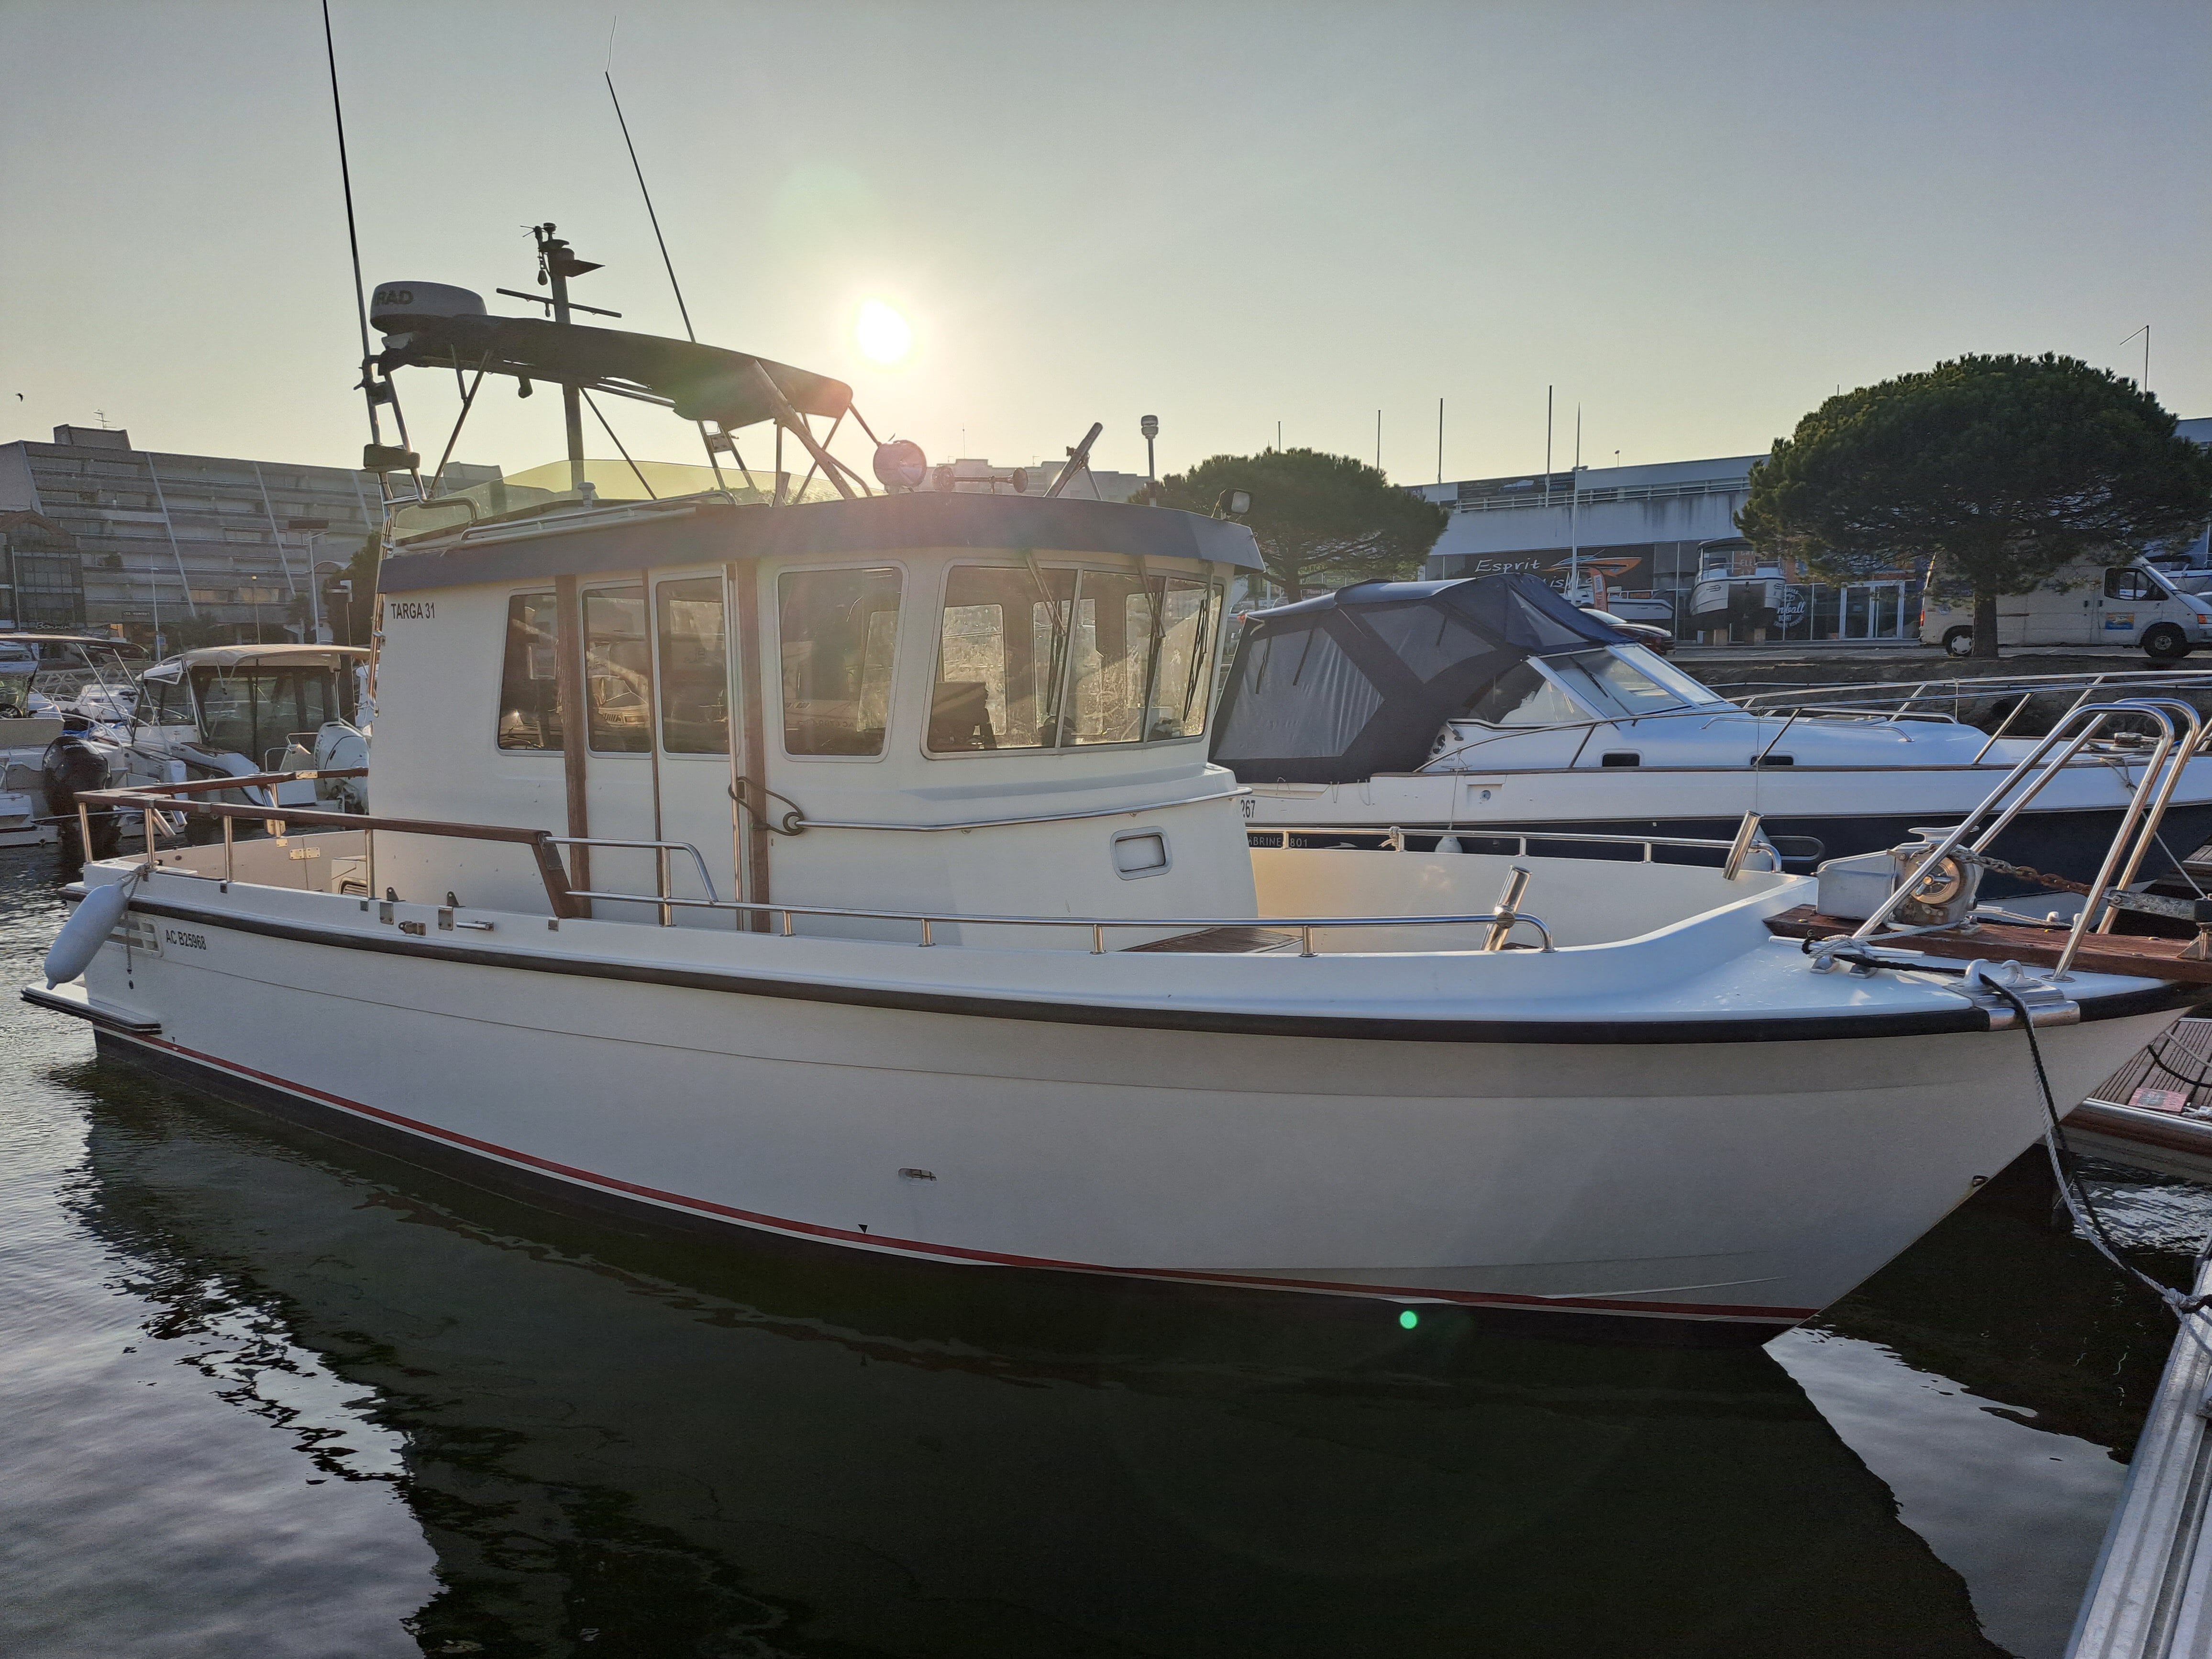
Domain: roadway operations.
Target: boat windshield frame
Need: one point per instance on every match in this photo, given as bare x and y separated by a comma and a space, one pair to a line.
1568, 674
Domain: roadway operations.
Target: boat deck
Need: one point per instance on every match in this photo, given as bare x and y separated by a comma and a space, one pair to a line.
1226, 942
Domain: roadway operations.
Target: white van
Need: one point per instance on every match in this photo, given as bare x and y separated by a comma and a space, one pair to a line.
2106, 604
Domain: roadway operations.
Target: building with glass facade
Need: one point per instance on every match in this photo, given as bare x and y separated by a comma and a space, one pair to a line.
204, 549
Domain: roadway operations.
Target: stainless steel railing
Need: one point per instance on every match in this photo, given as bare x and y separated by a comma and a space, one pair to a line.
1505, 918
1748, 839
2180, 730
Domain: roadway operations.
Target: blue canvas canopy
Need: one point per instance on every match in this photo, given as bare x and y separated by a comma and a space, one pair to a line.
1360, 681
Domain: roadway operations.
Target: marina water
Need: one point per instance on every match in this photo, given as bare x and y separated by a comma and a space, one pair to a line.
269, 1395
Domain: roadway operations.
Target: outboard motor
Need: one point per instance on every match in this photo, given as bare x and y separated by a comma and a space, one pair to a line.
71, 767
342, 746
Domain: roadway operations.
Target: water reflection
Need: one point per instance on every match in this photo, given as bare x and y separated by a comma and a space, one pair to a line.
619, 1445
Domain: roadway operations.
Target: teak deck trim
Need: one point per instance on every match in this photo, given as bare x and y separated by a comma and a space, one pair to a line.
2130, 954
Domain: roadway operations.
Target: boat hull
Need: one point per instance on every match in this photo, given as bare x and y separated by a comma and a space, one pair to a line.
1661, 1184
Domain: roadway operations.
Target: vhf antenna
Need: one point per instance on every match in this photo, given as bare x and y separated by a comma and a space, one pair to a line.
381, 461
683, 310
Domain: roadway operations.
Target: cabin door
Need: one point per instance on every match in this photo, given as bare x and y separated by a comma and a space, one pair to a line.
619, 761
691, 659
656, 680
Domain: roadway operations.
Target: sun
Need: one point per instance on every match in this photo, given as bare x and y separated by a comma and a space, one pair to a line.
884, 335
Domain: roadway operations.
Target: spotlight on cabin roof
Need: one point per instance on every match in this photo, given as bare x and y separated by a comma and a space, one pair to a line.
900, 464
1233, 504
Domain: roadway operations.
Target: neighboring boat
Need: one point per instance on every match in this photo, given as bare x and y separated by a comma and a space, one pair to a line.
230, 711
1005, 985
239, 710
71, 664
1487, 709
28, 723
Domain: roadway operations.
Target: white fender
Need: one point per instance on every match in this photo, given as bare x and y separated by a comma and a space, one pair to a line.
84, 934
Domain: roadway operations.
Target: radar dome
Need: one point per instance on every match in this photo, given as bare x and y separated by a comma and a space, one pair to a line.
397, 308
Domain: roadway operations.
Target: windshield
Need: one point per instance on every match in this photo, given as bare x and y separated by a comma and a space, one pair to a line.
1613, 682
14, 689
1628, 680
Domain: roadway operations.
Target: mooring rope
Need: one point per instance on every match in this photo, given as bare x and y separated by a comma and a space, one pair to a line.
2078, 1203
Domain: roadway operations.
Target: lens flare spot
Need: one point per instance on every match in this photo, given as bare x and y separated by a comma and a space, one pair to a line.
1408, 1319
883, 334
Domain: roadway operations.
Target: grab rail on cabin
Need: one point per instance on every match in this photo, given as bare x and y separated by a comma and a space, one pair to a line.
803, 822
661, 850
161, 799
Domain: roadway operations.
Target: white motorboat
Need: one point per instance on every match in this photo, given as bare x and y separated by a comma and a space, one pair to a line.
231, 711
29, 722
1002, 983
1487, 710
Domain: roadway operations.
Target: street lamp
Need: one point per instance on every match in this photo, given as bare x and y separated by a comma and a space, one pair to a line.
1149, 425
315, 527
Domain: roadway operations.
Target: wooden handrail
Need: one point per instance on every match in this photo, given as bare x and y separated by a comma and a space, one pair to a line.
251, 779
550, 869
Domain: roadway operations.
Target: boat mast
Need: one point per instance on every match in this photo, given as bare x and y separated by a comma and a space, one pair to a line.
557, 264
1574, 505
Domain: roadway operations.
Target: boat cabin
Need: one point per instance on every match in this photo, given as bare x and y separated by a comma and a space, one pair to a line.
975, 703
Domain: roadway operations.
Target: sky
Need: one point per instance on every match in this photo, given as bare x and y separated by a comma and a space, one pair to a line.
1694, 220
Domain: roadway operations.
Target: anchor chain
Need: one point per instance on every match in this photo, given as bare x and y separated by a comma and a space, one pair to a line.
2028, 873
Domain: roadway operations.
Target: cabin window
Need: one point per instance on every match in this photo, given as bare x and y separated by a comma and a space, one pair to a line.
1110, 657
694, 668
1186, 647
617, 671
164, 701
226, 712
1029, 657
1002, 645
530, 683
838, 632
2123, 582
257, 713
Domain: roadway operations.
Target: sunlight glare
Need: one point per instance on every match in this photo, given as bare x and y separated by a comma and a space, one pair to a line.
884, 335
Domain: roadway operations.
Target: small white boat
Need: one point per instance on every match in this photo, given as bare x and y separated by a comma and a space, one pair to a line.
1003, 984
28, 723
231, 711
1487, 710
